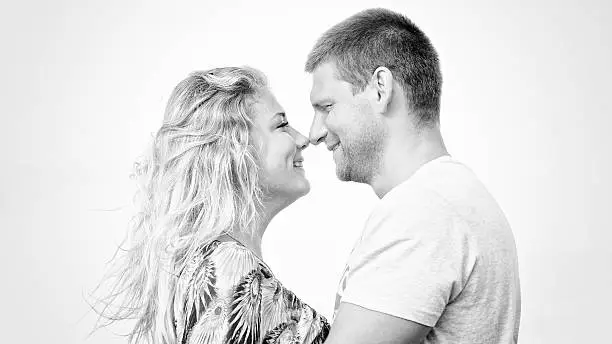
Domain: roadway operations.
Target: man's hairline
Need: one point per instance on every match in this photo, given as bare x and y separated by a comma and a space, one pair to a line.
332, 60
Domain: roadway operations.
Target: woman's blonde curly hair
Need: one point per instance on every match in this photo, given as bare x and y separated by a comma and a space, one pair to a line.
199, 179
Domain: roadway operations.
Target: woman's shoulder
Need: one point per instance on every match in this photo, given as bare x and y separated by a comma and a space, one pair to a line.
240, 296
206, 286
233, 262
224, 263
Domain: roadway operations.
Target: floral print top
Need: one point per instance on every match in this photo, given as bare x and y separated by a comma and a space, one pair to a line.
226, 294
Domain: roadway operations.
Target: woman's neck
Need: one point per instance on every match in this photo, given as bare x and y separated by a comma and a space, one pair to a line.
251, 239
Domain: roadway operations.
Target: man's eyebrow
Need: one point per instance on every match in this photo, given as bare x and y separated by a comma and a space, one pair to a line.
322, 103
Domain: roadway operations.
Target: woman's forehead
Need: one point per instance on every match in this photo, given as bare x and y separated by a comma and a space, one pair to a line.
267, 106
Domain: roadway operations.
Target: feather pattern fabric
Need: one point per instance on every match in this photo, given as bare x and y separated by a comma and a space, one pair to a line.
226, 294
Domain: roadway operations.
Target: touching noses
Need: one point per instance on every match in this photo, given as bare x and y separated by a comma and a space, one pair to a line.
318, 129
301, 141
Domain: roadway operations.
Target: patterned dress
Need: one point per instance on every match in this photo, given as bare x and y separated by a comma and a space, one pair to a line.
226, 294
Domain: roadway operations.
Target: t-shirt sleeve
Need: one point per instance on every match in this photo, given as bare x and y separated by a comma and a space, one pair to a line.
413, 259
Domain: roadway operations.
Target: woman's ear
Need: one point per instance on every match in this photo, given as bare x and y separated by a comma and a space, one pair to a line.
382, 89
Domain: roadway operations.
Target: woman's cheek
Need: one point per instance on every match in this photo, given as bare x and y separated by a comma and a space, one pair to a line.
286, 144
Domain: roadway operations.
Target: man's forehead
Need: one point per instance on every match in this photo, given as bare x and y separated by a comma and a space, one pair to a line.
323, 80
316, 91
325, 73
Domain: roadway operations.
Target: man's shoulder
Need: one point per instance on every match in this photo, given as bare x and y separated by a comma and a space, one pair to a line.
437, 177
444, 183
442, 193
446, 177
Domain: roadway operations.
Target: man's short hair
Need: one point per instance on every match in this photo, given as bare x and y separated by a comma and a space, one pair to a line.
382, 38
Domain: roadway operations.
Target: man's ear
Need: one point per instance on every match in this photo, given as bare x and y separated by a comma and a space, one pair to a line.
382, 89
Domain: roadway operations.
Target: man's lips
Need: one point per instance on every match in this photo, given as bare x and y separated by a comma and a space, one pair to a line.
333, 146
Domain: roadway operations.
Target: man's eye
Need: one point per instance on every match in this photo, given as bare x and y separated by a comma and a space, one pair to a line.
328, 107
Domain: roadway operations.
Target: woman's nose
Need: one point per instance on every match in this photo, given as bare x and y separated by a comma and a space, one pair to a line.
301, 141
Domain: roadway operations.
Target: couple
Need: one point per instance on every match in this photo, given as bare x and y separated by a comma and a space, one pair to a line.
436, 261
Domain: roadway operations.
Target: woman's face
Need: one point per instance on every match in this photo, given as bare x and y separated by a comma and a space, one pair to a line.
280, 148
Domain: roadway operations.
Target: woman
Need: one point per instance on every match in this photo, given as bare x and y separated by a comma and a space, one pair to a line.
223, 164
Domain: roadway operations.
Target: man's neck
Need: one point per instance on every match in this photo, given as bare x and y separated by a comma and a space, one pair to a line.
404, 155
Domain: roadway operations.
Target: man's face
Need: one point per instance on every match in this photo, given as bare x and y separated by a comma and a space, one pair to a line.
347, 125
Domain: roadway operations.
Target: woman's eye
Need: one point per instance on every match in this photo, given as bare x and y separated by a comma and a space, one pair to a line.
282, 125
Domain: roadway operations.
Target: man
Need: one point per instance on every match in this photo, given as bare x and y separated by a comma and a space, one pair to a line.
436, 262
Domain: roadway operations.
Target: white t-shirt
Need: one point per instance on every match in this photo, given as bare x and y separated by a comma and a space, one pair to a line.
438, 250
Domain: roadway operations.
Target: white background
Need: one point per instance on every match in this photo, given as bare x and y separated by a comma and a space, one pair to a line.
526, 103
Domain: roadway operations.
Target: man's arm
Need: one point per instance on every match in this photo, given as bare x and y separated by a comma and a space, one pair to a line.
355, 324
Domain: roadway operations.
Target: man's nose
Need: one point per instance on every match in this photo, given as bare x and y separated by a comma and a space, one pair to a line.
318, 129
